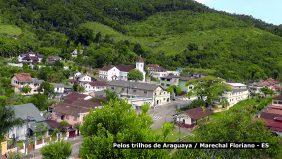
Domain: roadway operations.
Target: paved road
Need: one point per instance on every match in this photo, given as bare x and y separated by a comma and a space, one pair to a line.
164, 113
76, 143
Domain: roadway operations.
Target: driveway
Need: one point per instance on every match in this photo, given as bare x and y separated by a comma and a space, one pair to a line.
164, 113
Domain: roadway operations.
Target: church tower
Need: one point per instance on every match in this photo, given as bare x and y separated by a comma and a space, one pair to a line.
140, 66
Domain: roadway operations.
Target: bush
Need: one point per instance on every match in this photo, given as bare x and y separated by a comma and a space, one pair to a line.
57, 150
194, 104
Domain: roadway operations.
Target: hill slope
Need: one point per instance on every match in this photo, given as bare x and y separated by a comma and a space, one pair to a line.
175, 33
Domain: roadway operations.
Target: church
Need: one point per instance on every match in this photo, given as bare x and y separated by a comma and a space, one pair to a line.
120, 72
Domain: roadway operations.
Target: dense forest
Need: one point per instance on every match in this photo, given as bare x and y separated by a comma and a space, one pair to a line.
173, 33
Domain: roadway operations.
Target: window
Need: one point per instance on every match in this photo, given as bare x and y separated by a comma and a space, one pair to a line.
112, 88
134, 90
145, 92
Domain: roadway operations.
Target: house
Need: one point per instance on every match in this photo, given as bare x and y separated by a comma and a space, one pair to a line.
21, 80
120, 72
53, 59
156, 71
94, 86
169, 80
79, 77
184, 79
30, 57
272, 115
59, 88
255, 87
133, 89
74, 108
75, 52
238, 93
31, 117
190, 117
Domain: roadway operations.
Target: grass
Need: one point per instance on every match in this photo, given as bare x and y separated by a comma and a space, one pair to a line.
173, 136
10, 30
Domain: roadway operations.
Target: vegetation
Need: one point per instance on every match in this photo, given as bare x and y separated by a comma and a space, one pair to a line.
177, 33
100, 129
135, 75
58, 150
236, 124
209, 89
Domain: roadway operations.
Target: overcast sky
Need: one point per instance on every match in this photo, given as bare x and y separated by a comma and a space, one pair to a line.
267, 10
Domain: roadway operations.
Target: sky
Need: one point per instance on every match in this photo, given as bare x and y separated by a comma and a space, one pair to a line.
269, 11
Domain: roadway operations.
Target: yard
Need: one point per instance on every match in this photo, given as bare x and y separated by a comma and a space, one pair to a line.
183, 133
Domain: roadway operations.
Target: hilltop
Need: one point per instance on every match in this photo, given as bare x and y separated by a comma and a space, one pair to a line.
179, 33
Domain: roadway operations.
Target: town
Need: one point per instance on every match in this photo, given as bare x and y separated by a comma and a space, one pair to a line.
172, 97
162, 79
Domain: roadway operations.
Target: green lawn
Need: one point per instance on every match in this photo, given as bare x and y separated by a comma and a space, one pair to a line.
10, 30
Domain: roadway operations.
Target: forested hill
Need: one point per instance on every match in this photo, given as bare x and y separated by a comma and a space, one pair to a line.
174, 33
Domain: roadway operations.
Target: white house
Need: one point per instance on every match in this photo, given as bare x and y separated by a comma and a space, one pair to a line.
21, 80
239, 92
31, 117
190, 117
84, 78
94, 86
59, 88
120, 72
138, 90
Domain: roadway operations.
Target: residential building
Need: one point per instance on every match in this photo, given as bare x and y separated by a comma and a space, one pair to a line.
272, 115
156, 71
255, 87
74, 108
238, 93
21, 80
59, 88
94, 86
132, 89
30, 57
169, 80
190, 117
120, 72
184, 79
31, 117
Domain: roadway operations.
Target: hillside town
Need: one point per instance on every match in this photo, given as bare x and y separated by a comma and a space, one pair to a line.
170, 95
148, 79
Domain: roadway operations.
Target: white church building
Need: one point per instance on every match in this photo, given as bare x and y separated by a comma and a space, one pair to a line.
120, 72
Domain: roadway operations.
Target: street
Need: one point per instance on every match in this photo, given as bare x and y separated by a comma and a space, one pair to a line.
164, 113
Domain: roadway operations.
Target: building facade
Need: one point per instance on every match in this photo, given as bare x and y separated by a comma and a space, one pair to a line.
21, 80
239, 92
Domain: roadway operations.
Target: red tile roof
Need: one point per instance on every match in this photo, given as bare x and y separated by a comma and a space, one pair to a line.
272, 115
140, 59
98, 83
107, 68
23, 77
125, 68
198, 113
75, 104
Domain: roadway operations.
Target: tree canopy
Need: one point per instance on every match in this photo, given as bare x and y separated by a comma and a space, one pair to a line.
58, 150
135, 75
117, 122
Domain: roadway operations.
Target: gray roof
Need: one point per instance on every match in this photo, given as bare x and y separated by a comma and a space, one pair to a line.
58, 85
239, 90
132, 84
37, 81
24, 110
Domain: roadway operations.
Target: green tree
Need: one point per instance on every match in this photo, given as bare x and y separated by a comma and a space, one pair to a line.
167, 129
208, 87
58, 150
26, 89
135, 75
78, 88
266, 91
40, 101
48, 89
100, 129
40, 130
233, 126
